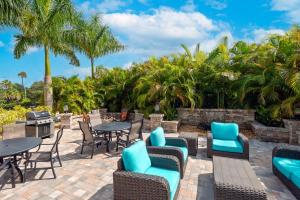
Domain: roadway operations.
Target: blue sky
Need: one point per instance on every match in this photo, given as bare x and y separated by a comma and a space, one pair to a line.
158, 27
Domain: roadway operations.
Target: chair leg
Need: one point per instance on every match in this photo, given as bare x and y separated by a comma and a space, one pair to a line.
58, 159
82, 149
25, 169
117, 146
93, 151
52, 167
12, 176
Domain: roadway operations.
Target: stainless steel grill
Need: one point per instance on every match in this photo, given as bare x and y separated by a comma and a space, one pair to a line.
39, 124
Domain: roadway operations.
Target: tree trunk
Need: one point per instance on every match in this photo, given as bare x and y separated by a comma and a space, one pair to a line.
92, 68
48, 93
24, 97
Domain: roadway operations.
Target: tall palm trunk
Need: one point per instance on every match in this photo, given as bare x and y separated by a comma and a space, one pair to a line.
48, 93
22, 78
92, 68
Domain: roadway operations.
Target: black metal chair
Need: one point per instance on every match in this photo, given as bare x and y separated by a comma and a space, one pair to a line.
124, 138
45, 156
90, 138
7, 167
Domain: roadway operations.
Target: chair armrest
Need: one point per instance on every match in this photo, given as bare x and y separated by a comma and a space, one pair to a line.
171, 151
174, 141
291, 152
130, 185
209, 139
165, 161
244, 140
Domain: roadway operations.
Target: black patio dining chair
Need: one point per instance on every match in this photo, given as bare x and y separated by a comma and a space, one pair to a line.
6, 167
45, 156
124, 138
90, 138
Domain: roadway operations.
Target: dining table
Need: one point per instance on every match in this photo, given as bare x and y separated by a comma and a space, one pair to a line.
11, 148
110, 128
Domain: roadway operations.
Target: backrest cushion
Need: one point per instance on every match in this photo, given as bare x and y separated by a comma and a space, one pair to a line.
157, 137
136, 158
224, 131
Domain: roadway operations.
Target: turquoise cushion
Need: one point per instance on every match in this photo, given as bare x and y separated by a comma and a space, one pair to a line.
287, 166
172, 177
136, 158
157, 137
224, 131
184, 150
295, 177
227, 146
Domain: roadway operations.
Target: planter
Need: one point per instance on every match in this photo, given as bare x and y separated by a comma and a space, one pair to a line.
292, 126
170, 126
270, 134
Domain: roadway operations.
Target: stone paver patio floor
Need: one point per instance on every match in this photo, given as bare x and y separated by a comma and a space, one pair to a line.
85, 178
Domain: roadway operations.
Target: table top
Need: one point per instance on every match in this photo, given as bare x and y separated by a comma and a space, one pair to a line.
188, 135
235, 172
16, 146
112, 126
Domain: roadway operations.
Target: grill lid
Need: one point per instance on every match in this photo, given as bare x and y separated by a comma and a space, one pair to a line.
37, 115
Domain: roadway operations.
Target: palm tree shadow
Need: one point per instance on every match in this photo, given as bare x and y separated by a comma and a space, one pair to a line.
106, 192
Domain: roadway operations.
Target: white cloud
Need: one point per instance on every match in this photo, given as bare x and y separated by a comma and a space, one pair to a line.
163, 31
216, 4
105, 6
81, 71
2, 44
189, 6
260, 34
32, 50
291, 7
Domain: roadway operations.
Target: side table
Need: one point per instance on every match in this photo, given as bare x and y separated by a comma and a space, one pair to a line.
192, 139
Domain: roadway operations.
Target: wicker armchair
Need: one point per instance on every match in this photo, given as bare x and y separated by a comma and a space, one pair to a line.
171, 148
243, 140
288, 152
130, 185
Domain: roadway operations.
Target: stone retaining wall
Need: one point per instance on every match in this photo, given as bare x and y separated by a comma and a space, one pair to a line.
205, 116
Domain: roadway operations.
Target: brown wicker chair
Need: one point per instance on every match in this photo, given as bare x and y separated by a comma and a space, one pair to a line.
45, 156
291, 152
124, 138
130, 185
172, 151
90, 138
7, 167
244, 141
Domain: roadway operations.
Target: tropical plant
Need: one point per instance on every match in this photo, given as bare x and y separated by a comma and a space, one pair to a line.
23, 75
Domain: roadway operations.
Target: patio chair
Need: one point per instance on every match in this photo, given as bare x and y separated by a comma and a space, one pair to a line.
45, 156
146, 176
286, 166
6, 167
89, 137
157, 143
124, 138
225, 140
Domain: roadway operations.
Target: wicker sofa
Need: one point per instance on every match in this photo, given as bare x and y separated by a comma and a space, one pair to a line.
160, 180
286, 166
225, 140
172, 146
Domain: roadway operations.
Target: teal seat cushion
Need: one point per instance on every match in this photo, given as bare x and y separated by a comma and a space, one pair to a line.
287, 167
184, 150
173, 177
233, 146
295, 177
136, 158
224, 131
157, 137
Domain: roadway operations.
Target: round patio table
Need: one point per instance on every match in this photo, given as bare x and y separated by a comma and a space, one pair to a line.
111, 127
17, 146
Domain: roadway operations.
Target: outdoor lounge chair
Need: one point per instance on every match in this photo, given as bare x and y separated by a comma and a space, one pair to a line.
225, 140
146, 176
157, 143
124, 138
286, 166
45, 156
90, 138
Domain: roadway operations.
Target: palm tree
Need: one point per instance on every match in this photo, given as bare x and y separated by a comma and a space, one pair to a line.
10, 11
23, 75
42, 24
94, 40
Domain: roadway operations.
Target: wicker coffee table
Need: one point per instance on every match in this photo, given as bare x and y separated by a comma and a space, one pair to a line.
192, 139
234, 179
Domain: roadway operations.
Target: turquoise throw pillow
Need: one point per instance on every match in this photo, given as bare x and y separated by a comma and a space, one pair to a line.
157, 137
224, 131
136, 158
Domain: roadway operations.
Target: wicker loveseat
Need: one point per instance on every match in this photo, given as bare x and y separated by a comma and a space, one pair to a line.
144, 176
225, 140
286, 166
157, 143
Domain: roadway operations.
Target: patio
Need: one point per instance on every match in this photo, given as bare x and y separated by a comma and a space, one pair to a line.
85, 178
